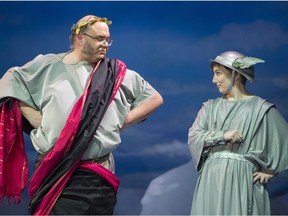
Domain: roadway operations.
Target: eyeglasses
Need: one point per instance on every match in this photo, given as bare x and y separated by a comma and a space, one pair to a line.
100, 39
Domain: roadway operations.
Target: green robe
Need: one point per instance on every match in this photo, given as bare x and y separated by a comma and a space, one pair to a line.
225, 184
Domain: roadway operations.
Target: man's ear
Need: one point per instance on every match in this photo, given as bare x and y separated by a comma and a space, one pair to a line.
79, 39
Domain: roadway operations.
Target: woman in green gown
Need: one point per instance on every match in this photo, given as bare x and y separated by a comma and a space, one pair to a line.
238, 142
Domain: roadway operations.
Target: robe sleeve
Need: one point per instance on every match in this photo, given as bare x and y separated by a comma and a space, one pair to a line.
12, 86
270, 143
137, 90
15, 82
200, 139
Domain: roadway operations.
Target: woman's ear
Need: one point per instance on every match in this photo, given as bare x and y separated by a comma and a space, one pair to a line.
237, 76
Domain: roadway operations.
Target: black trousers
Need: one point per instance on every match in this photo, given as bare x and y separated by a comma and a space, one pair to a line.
86, 193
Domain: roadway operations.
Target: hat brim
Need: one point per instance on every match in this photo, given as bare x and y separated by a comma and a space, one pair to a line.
235, 69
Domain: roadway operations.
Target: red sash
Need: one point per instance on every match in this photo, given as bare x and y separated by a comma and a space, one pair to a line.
62, 145
13, 160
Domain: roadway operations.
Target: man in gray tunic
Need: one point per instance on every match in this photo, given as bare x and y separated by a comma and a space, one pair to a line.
238, 142
50, 90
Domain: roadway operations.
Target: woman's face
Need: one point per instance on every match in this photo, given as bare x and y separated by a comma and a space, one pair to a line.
221, 78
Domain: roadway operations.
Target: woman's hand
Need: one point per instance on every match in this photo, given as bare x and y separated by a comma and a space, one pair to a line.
233, 136
263, 177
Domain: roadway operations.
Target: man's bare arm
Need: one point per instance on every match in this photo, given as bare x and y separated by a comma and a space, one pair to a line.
33, 116
142, 111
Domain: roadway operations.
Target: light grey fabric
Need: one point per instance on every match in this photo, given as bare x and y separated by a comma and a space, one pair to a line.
49, 85
225, 184
225, 187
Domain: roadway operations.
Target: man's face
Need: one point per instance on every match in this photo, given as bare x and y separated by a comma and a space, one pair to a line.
96, 42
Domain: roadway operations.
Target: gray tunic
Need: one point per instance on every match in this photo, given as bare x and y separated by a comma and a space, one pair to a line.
225, 184
49, 85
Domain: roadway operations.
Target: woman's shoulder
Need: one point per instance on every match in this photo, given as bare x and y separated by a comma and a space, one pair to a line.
265, 103
212, 101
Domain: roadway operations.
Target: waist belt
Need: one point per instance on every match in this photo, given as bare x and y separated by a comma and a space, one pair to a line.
234, 156
98, 160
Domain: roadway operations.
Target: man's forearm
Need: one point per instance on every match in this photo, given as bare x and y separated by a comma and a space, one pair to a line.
141, 112
33, 116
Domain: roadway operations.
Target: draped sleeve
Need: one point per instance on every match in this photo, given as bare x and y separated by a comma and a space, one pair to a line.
136, 89
12, 85
23, 83
269, 146
201, 138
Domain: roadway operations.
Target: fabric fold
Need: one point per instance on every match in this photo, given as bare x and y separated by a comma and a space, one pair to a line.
13, 159
50, 178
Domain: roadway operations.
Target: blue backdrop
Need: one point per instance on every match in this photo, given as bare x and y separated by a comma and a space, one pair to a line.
169, 43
